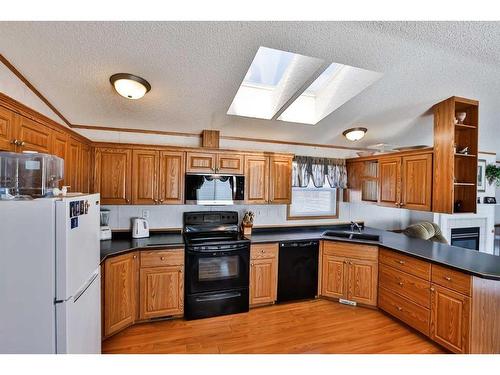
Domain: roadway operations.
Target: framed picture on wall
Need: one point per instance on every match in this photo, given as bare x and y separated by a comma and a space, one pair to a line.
481, 175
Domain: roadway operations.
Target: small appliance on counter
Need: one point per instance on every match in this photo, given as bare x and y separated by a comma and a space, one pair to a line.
105, 229
140, 228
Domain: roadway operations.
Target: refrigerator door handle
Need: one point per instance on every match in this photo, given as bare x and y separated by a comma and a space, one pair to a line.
86, 286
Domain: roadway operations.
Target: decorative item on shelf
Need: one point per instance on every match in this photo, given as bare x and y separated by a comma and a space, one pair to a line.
457, 207
492, 174
481, 175
461, 117
464, 151
489, 200
455, 121
247, 223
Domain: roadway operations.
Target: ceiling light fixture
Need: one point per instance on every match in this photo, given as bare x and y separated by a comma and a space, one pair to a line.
354, 134
130, 86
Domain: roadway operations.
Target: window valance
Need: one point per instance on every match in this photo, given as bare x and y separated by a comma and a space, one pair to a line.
307, 168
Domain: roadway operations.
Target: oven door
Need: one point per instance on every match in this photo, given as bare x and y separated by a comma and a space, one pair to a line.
217, 270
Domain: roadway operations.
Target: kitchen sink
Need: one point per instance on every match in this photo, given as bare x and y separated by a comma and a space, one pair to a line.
352, 235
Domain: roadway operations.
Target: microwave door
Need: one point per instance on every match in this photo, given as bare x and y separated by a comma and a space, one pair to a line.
224, 189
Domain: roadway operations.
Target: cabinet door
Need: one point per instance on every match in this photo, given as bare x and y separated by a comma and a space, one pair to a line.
201, 162
60, 148
263, 281
171, 183
362, 281
85, 168
72, 178
33, 135
334, 276
120, 292
6, 130
144, 177
281, 180
161, 291
230, 163
389, 182
450, 319
112, 177
256, 179
416, 182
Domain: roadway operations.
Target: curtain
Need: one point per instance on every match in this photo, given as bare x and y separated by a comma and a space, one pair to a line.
305, 168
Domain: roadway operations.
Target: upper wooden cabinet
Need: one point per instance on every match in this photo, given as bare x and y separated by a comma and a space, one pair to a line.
6, 130
389, 182
454, 176
120, 292
157, 177
112, 175
256, 179
85, 168
362, 181
214, 162
171, 180
416, 182
73, 162
33, 136
280, 189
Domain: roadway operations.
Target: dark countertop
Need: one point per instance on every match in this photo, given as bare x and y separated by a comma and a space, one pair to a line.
471, 261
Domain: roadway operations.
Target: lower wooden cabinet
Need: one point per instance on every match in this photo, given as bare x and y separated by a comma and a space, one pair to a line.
161, 291
349, 271
120, 292
263, 274
450, 319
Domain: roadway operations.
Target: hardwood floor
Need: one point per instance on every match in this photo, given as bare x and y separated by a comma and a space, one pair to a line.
317, 326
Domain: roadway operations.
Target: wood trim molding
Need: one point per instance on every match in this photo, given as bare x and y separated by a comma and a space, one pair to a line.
23, 79
131, 130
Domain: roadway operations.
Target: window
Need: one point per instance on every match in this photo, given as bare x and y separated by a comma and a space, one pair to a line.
314, 203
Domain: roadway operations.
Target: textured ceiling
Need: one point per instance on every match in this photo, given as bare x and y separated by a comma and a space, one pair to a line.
195, 69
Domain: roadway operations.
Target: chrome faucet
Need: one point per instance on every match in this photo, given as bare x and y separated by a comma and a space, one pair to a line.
355, 225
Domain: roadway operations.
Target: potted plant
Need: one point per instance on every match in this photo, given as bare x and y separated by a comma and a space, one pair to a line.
493, 174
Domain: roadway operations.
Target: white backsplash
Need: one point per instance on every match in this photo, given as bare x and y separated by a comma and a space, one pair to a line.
168, 217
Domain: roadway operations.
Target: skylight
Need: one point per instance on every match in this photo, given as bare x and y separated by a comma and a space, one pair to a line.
335, 86
271, 81
288, 87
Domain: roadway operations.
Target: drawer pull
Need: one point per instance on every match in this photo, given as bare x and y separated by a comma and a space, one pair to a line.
162, 258
401, 262
399, 308
432, 289
400, 283
262, 251
447, 278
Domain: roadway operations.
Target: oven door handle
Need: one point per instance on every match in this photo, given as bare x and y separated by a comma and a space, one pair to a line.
218, 296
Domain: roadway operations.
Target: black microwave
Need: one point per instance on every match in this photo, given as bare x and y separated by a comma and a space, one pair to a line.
214, 189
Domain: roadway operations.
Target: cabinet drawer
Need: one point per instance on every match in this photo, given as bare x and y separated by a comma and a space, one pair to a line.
158, 258
406, 285
412, 314
350, 250
406, 263
454, 280
264, 251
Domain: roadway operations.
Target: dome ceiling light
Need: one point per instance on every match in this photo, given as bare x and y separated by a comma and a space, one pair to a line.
354, 134
130, 86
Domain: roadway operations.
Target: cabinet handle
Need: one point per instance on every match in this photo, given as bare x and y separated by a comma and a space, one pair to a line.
156, 201
401, 262
400, 283
134, 257
180, 271
397, 204
447, 278
399, 308
22, 143
14, 142
432, 289
262, 251
127, 200
251, 264
161, 201
162, 258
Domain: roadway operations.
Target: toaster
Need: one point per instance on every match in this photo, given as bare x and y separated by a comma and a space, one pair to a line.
140, 228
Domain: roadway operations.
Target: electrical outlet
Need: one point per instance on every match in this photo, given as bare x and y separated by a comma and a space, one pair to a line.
145, 214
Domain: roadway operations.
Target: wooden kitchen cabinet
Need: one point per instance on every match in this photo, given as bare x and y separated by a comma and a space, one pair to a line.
280, 188
230, 163
73, 161
161, 291
201, 162
120, 292
349, 271
60, 149
450, 319
389, 182
33, 136
85, 168
144, 176
6, 130
171, 177
256, 179
416, 182
112, 175
263, 274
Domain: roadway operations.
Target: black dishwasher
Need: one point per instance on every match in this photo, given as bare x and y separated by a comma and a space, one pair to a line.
297, 270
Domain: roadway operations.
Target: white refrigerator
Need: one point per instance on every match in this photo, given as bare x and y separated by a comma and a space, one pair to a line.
50, 293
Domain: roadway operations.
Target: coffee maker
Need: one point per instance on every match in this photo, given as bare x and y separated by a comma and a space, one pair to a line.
105, 229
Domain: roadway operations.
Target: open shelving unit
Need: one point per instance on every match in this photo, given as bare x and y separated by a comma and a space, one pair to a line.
455, 174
